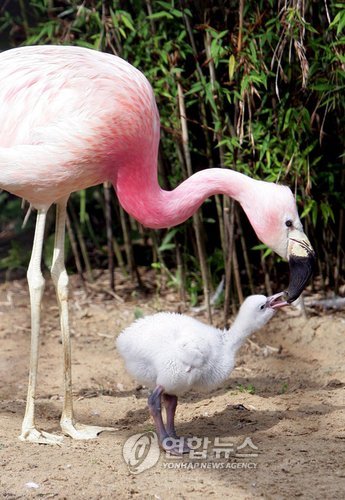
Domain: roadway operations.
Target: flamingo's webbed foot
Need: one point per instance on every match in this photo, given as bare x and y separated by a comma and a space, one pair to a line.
81, 431
33, 435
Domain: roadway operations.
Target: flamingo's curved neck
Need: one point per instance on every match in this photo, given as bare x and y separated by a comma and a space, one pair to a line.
154, 207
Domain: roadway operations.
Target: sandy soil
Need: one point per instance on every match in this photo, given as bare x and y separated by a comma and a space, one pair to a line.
288, 400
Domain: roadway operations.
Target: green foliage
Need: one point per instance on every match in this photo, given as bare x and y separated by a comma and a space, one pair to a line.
167, 243
138, 313
248, 388
284, 388
15, 259
265, 99
10, 211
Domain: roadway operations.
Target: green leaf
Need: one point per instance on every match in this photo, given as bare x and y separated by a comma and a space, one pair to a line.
232, 65
160, 15
166, 245
327, 212
127, 21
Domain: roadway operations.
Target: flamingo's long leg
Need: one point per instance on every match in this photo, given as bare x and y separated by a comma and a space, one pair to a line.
60, 279
36, 288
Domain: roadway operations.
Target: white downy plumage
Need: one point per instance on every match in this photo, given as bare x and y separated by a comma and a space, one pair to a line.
173, 354
182, 354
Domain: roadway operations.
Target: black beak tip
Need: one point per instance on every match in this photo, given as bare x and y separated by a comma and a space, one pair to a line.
301, 269
291, 297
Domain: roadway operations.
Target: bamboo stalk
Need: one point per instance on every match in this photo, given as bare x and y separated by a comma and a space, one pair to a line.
196, 219
127, 242
181, 272
159, 258
216, 116
154, 246
320, 263
109, 232
339, 251
266, 274
149, 10
240, 26
338, 264
82, 244
74, 247
229, 218
25, 22
119, 258
237, 275
245, 251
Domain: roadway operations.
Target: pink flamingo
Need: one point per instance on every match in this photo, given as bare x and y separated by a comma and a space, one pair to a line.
72, 118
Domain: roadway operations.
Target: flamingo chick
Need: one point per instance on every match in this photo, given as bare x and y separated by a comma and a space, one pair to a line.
174, 354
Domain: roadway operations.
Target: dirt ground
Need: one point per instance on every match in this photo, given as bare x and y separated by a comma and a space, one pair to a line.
283, 406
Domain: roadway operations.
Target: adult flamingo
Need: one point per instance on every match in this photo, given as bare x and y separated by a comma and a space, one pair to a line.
72, 118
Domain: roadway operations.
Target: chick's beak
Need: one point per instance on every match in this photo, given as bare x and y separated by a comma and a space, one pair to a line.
277, 301
301, 258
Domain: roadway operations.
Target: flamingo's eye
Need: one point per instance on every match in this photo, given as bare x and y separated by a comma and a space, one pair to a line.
288, 223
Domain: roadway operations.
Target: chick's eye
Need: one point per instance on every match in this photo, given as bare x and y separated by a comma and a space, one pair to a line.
262, 307
288, 223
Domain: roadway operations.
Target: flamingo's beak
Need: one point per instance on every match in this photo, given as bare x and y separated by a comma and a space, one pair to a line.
301, 258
